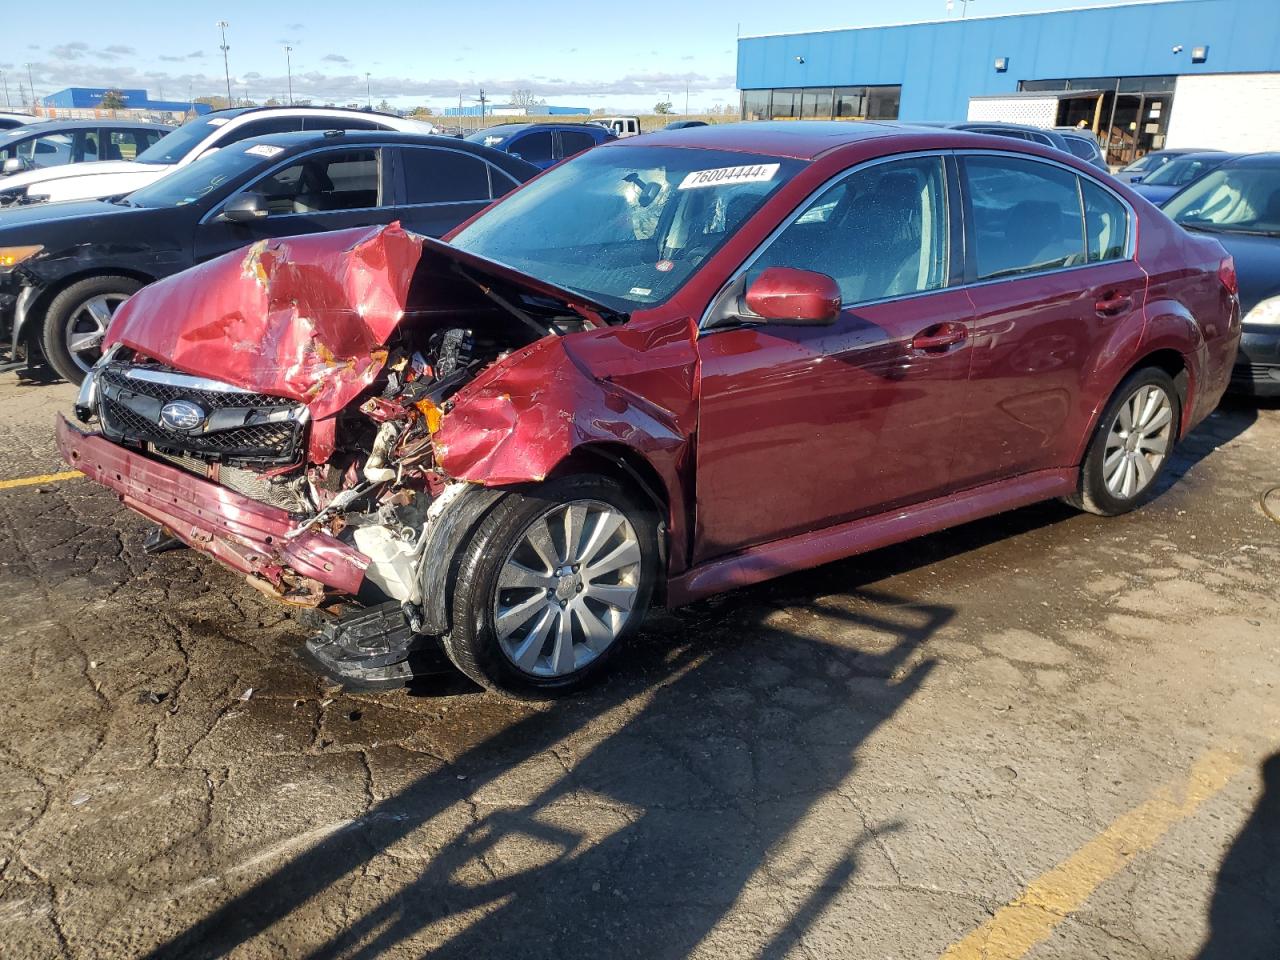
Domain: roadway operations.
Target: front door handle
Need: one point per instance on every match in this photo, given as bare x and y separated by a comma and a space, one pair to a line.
1113, 303
939, 338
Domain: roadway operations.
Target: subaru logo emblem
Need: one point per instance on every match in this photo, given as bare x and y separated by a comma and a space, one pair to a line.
181, 415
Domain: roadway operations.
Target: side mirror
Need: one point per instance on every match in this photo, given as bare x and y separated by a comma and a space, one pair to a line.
1137, 178
244, 208
794, 297
16, 165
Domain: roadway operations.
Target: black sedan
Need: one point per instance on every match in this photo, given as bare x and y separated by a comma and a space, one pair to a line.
1239, 203
65, 268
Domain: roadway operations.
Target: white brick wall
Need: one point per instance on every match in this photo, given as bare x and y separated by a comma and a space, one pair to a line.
1032, 111
1238, 112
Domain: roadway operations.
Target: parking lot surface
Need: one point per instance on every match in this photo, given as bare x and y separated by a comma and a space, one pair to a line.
1045, 735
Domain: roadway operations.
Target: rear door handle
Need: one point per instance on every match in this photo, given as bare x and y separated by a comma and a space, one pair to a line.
1113, 303
939, 338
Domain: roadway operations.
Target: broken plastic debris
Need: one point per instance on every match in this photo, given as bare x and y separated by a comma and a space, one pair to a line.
246, 695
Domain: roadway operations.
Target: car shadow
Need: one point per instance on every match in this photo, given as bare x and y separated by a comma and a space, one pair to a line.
719, 738
1244, 915
1233, 417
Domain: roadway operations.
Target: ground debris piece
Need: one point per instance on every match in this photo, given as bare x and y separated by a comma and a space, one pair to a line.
244, 697
153, 696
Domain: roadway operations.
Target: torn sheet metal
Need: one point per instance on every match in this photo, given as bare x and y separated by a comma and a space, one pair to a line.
300, 317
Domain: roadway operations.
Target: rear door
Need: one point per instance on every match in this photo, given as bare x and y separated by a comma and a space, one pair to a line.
851, 419
328, 189
573, 142
1052, 277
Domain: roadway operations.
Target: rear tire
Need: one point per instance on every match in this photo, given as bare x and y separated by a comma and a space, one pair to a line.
76, 322
549, 586
1131, 445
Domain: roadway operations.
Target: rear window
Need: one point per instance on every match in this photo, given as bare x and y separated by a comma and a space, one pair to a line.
1026, 216
1080, 148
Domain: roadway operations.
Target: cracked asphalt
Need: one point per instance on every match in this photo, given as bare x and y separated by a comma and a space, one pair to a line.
992, 729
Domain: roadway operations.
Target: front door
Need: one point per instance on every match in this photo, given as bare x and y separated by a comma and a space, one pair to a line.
803, 427
324, 190
1056, 246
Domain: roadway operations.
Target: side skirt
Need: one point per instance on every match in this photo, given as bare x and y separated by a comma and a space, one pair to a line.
806, 550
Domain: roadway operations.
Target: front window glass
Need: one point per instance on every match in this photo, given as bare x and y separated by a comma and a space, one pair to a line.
626, 225
172, 147
322, 183
201, 178
1026, 216
1231, 199
444, 176
881, 232
47, 151
534, 147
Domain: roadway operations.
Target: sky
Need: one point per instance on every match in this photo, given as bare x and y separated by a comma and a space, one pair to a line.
620, 57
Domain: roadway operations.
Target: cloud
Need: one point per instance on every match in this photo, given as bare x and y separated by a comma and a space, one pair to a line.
70, 51
295, 26
77, 71
334, 58
686, 58
119, 50
193, 55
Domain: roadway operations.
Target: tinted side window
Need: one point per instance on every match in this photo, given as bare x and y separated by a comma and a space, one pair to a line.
1106, 222
571, 142
880, 232
323, 182
534, 147
127, 144
262, 128
1025, 216
443, 176
1079, 147
339, 123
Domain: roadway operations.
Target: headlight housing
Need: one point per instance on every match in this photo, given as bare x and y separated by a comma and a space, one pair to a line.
10, 257
1265, 313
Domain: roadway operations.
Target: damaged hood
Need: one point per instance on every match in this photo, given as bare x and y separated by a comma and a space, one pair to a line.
308, 317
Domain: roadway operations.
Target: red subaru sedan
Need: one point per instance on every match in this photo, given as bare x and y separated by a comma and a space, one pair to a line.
674, 365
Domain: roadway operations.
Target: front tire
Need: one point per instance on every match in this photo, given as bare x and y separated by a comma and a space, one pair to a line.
1131, 445
76, 323
550, 584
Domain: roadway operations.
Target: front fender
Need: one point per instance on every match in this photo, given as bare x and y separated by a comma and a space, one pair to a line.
528, 414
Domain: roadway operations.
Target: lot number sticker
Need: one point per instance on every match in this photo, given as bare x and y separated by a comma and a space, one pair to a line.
263, 150
724, 176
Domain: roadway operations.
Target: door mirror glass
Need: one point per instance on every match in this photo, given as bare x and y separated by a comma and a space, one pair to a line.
244, 208
16, 165
790, 296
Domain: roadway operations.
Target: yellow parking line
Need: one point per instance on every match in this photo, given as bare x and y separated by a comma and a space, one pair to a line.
1018, 926
43, 478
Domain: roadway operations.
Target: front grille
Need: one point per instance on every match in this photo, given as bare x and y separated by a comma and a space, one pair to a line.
239, 426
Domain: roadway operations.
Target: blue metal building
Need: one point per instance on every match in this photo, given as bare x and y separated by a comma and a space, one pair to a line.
90, 98
936, 70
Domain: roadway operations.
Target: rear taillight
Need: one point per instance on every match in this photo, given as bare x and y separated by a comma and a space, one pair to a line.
1227, 274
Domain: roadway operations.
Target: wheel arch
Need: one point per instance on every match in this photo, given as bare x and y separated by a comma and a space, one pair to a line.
40, 305
1169, 359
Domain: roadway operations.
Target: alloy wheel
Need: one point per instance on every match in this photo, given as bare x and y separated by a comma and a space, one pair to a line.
567, 588
86, 327
1138, 441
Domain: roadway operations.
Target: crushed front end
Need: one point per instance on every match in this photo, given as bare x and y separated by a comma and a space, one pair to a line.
280, 413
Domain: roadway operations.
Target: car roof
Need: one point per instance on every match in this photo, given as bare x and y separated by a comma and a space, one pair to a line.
1264, 160
298, 140
232, 112
44, 126
516, 126
798, 139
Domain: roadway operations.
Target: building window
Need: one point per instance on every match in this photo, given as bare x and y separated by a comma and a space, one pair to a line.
822, 103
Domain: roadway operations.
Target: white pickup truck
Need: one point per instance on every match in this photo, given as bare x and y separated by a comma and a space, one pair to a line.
622, 126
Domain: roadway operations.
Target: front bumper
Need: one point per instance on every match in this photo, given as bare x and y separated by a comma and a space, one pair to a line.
254, 538
1257, 369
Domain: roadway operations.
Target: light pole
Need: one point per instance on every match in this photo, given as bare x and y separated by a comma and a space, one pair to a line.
368, 91
31, 88
8, 104
226, 69
288, 65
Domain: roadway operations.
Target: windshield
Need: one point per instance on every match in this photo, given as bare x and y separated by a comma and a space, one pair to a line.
204, 176
172, 147
1183, 170
1231, 199
626, 226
